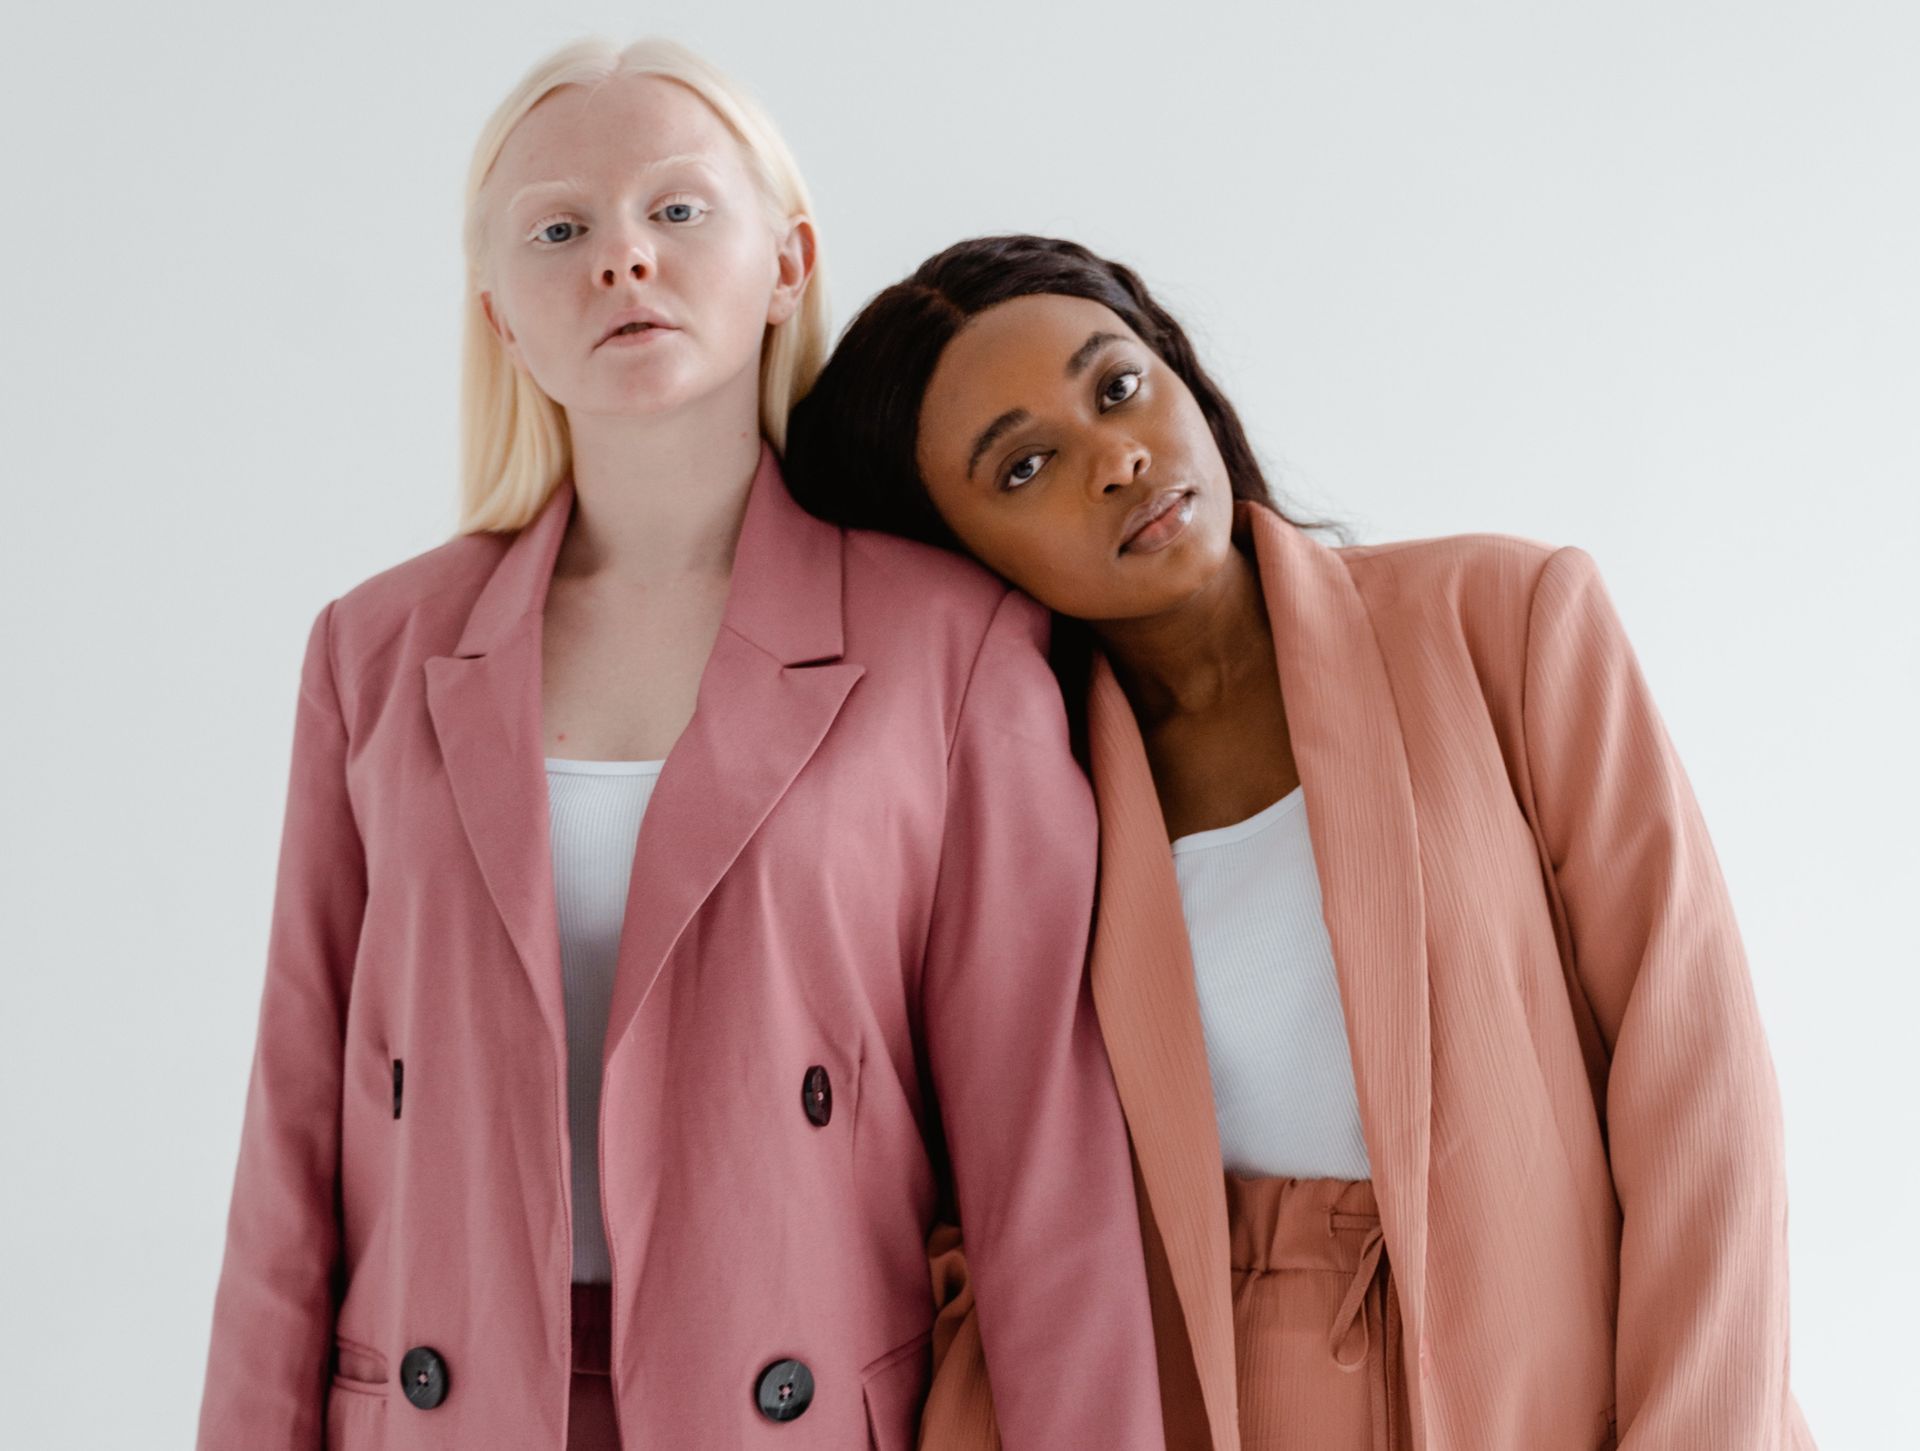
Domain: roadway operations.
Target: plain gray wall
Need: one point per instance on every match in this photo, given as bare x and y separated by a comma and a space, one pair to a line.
1639, 277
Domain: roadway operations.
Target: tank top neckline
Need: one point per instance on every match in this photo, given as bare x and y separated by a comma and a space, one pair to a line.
1240, 830
566, 765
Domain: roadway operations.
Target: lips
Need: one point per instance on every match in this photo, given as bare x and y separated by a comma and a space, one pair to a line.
1149, 511
634, 319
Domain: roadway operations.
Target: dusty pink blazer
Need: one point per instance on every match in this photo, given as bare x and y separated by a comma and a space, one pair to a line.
871, 853
1567, 1098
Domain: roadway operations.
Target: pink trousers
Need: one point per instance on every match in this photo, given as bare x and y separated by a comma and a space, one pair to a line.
1315, 1318
590, 1420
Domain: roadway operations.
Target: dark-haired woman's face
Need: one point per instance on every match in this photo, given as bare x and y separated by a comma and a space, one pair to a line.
1071, 460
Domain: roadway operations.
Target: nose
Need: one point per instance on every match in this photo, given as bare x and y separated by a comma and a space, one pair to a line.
639, 269
1119, 463
627, 259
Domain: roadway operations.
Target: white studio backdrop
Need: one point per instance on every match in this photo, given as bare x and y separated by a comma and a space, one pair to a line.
1638, 277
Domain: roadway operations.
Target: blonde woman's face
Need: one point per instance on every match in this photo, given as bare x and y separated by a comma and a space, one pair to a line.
634, 197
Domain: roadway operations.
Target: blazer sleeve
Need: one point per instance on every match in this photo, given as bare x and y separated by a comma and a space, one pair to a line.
1038, 1147
1691, 1105
268, 1365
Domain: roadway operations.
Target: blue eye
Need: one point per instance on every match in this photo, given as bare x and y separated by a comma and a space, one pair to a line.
679, 213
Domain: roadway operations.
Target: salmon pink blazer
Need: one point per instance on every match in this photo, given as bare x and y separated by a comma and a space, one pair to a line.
1567, 1098
852, 972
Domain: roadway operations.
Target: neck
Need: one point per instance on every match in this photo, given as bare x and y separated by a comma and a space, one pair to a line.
659, 497
1201, 656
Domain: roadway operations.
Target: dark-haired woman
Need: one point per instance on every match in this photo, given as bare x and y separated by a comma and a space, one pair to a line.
1453, 1119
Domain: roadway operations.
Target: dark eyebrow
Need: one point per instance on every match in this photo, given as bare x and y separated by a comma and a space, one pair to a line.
1078, 362
1013, 417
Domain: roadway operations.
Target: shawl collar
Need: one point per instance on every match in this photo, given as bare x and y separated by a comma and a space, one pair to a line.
1348, 746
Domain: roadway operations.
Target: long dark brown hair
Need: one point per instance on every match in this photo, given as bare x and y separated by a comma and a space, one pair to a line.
851, 454
851, 441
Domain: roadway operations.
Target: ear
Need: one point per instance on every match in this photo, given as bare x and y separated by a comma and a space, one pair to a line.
793, 269
500, 328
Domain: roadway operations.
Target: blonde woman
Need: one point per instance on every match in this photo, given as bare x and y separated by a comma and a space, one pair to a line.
681, 899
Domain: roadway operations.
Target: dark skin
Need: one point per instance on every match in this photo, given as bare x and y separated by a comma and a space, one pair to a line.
1101, 429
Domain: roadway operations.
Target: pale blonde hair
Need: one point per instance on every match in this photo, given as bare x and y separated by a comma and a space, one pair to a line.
514, 443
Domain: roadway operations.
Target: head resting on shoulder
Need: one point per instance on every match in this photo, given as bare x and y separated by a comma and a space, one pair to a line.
1028, 402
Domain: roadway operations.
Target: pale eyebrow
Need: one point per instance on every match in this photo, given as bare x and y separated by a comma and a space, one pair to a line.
578, 183
1014, 417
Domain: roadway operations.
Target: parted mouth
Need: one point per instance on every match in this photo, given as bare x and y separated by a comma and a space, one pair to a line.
1150, 509
633, 320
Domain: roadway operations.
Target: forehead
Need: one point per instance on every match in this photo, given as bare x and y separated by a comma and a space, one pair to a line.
606, 132
1037, 333
1013, 355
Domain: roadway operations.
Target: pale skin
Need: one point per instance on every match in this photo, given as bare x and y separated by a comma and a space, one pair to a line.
635, 195
1107, 427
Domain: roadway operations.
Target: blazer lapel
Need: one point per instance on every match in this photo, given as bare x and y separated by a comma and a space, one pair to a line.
1347, 744
771, 689
485, 701
1141, 970
764, 704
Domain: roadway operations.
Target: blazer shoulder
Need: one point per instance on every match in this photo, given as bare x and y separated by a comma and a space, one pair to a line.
933, 577
1462, 558
419, 605
459, 565
943, 626
1467, 597
926, 594
1488, 577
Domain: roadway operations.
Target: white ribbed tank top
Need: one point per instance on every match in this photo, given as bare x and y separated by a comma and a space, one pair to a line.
595, 809
1283, 1088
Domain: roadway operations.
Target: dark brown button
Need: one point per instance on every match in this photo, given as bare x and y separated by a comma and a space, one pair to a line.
785, 1389
816, 1096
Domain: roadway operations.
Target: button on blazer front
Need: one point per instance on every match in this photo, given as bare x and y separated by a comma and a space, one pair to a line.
423, 1376
816, 1097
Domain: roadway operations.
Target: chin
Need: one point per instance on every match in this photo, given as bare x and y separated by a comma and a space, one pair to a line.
1141, 597
643, 397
